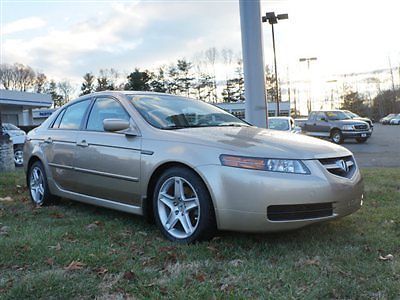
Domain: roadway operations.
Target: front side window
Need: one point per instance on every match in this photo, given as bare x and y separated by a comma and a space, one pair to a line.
73, 115
321, 116
337, 115
105, 108
174, 112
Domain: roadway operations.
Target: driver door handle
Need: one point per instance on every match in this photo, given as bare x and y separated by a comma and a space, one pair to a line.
82, 143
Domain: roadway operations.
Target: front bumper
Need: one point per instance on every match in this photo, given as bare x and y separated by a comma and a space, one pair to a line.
356, 134
241, 197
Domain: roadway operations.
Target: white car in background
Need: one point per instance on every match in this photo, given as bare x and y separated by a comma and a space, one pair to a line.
17, 136
283, 124
395, 120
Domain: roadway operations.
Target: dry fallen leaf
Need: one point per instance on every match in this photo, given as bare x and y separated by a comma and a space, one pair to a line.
200, 277
50, 261
6, 199
56, 247
386, 257
100, 271
129, 275
74, 265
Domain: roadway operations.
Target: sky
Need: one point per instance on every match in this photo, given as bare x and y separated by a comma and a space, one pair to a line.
66, 39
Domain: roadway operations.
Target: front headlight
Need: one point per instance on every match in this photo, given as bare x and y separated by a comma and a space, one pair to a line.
265, 164
348, 127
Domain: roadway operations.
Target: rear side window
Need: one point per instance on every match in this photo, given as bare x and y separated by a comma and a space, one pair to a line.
73, 115
57, 122
105, 108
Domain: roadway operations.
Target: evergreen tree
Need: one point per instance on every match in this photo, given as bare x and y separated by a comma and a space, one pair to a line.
158, 81
354, 102
53, 91
184, 80
138, 81
106, 80
87, 84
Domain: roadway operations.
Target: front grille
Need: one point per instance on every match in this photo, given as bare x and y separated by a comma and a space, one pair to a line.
299, 211
340, 166
361, 127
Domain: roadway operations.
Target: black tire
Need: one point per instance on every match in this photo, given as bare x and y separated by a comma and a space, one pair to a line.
361, 140
337, 136
18, 155
206, 226
48, 198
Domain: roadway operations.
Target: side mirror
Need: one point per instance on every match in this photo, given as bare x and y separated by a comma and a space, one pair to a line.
113, 125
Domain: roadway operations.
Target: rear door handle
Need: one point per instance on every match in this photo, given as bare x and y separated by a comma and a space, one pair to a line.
49, 140
82, 143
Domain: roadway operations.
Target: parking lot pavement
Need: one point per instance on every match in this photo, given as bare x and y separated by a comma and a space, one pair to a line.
381, 150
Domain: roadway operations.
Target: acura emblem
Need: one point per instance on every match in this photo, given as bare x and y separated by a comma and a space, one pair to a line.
342, 164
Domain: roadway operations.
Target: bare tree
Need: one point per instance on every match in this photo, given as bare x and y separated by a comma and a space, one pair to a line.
40, 83
211, 56
66, 90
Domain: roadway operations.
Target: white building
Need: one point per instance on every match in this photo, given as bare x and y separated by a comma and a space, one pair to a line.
237, 108
20, 108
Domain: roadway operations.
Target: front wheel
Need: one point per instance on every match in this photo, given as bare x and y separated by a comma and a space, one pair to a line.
337, 137
183, 207
361, 140
18, 156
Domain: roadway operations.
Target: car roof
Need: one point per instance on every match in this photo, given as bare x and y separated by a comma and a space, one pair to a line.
116, 93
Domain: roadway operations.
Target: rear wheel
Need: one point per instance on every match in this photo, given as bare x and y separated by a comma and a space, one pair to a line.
182, 206
361, 140
337, 136
38, 187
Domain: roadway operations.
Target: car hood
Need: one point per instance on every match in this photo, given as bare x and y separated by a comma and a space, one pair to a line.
348, 122
362, 119
258, 142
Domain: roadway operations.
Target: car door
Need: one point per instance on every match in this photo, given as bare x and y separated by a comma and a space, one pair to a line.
322, 124
309, 124
108, 163
60, 142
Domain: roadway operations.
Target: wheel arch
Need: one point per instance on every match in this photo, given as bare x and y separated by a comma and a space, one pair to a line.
334, 129
147, 201
31, 161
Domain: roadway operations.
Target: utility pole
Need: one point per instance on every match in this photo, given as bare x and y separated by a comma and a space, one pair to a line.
253, 63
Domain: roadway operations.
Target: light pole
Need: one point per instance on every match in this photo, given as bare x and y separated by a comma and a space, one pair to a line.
273, 19
308, 59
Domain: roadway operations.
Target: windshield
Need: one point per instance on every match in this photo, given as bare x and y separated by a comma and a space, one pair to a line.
278, 124
337, 115
9, 126
174, 112
351, 114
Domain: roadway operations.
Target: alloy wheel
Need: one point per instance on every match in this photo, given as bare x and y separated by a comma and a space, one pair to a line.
36, 185
178, 207
19, 157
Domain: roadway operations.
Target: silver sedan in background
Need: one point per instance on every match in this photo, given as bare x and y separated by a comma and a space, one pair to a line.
188, 165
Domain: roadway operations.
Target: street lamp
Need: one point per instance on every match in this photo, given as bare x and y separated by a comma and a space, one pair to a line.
308, 59
273, 19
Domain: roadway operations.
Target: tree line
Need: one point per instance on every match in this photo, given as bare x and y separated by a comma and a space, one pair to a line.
23, 78
196, 78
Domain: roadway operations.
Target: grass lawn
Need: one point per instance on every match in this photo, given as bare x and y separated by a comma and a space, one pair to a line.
73, 250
